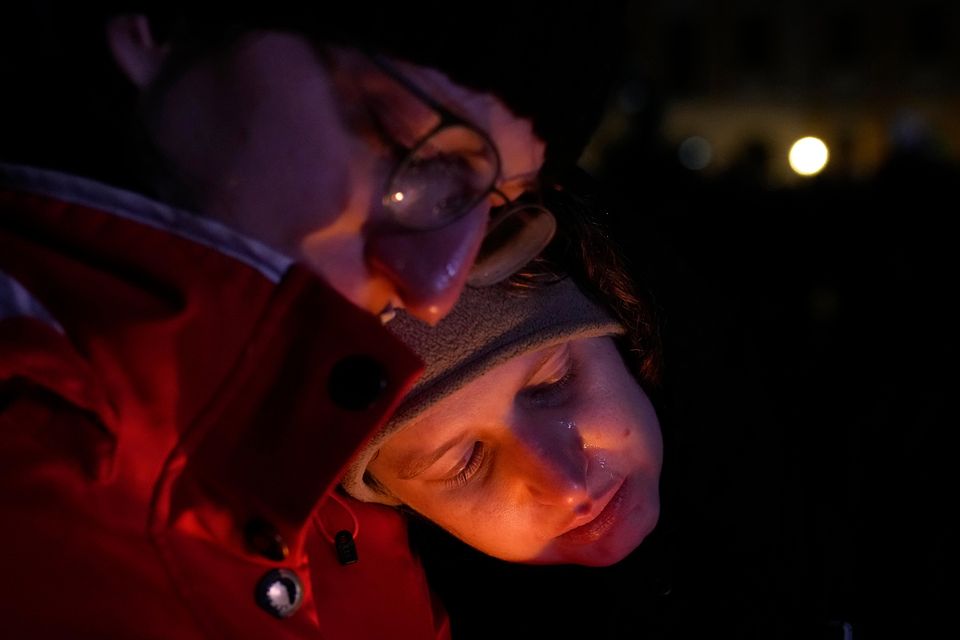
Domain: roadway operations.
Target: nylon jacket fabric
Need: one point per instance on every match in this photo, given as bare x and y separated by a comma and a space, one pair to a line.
164, 383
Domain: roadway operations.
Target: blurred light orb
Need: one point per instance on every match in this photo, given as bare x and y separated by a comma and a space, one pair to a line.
808, 156
695, 153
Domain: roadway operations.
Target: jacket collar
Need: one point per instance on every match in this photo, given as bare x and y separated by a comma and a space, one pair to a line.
134, 206
233, 355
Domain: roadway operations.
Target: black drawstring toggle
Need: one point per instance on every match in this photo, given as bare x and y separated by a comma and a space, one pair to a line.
346, 548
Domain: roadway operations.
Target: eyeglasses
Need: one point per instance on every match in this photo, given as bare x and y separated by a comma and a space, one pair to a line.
448, 173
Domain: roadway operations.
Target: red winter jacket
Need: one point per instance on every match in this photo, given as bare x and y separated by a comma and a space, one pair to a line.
177, 403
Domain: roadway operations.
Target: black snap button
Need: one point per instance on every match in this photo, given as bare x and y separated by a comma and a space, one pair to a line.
279, 593
346, 547
262, 538
356, 382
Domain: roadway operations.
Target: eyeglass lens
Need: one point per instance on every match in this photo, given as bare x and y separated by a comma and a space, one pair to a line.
448, 174
514, 237
441, 179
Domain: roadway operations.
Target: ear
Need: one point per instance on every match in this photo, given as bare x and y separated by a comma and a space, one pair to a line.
134, 48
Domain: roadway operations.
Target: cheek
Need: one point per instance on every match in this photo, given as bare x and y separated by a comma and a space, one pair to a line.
300, 159
260, 142
334, 233
628, 429
496, 525
305, 161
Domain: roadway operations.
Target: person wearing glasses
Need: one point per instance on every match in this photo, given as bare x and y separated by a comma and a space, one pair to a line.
205, 218
532, 435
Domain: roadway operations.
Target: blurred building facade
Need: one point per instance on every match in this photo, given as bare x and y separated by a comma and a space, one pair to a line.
746, 78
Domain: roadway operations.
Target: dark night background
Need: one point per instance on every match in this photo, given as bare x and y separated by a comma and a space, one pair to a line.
808, 325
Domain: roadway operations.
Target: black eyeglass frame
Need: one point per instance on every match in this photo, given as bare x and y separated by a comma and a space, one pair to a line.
447, 119
450, 119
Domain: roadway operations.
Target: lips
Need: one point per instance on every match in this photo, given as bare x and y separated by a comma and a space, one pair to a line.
601, 524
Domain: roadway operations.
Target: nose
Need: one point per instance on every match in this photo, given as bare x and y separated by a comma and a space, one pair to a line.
429, 268
556, 466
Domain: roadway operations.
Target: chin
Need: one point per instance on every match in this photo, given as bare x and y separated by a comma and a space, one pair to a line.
604, 557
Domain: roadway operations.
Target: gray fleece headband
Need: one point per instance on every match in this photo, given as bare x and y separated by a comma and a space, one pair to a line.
487, 327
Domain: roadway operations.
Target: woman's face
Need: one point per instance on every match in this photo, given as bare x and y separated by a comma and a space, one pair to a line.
552, 457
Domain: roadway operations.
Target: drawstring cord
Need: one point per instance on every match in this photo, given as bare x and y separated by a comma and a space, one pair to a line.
344, 542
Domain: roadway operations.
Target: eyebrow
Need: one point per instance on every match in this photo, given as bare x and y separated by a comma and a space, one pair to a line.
412, 466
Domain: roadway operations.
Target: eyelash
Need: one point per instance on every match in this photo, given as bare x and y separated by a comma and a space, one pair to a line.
541, 394
550, 394
478, 456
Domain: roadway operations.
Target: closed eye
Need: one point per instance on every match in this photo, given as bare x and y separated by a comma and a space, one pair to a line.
552, 384
473, 463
